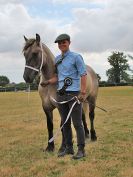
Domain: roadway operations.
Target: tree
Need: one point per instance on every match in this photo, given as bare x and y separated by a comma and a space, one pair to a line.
131, 58
130, 69
4, 81
21, 85
120, 66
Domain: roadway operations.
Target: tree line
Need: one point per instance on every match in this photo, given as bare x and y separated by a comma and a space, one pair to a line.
118, 73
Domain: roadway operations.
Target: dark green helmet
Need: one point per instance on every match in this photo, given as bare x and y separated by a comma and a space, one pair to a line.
62, 37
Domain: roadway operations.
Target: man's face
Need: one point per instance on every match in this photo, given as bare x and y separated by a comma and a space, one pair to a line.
63, 45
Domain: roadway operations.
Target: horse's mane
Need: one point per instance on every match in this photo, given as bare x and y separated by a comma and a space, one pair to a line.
48, 51
28, 44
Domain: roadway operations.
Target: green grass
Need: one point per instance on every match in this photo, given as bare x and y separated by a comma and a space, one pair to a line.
23, 134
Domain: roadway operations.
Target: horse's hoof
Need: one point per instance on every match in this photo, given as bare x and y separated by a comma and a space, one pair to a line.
49, 149
87, 136
93, 136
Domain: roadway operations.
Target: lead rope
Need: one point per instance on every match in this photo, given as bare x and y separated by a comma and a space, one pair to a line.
29, 94
63, 102
28, 99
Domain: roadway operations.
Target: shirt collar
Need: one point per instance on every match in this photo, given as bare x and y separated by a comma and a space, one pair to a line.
66, 53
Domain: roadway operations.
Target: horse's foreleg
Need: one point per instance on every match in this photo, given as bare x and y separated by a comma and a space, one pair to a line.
92, 116
85, 125
49, 116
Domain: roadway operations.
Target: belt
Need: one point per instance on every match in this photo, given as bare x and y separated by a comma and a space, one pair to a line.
68, 92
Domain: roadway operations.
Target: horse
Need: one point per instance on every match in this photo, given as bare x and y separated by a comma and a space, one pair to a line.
39, 59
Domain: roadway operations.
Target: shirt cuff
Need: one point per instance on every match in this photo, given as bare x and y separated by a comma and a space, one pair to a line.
83, 74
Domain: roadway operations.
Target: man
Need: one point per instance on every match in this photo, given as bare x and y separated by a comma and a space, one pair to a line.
70, 69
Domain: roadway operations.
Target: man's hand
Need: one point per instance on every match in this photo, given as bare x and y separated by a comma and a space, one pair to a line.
45, 83
53, 80
82, 97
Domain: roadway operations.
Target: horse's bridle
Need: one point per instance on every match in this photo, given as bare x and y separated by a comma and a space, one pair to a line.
35, 69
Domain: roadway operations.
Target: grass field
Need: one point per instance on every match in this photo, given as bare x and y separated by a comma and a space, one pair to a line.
23, 134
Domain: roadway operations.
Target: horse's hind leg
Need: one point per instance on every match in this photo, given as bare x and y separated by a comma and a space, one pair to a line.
92, 116
63, 145
85, 125
49, 115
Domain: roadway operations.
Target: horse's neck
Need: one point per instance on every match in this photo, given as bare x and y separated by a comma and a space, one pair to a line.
49, 68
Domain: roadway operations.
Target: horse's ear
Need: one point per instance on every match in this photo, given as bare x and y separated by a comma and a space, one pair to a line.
25, 38
38, 38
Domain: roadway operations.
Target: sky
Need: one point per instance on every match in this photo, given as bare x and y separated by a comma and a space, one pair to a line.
97, 28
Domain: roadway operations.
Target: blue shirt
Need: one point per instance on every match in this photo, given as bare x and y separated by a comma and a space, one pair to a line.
72, 66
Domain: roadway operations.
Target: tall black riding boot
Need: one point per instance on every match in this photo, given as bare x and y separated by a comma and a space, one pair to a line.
80, 154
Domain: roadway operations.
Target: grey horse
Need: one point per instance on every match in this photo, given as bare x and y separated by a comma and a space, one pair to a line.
39, 58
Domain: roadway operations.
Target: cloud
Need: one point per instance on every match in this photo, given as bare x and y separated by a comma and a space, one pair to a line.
78, 1
12, 26
92, 30
12, 66
98, 61
96, 30
15, 1
19, 23
69, 1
